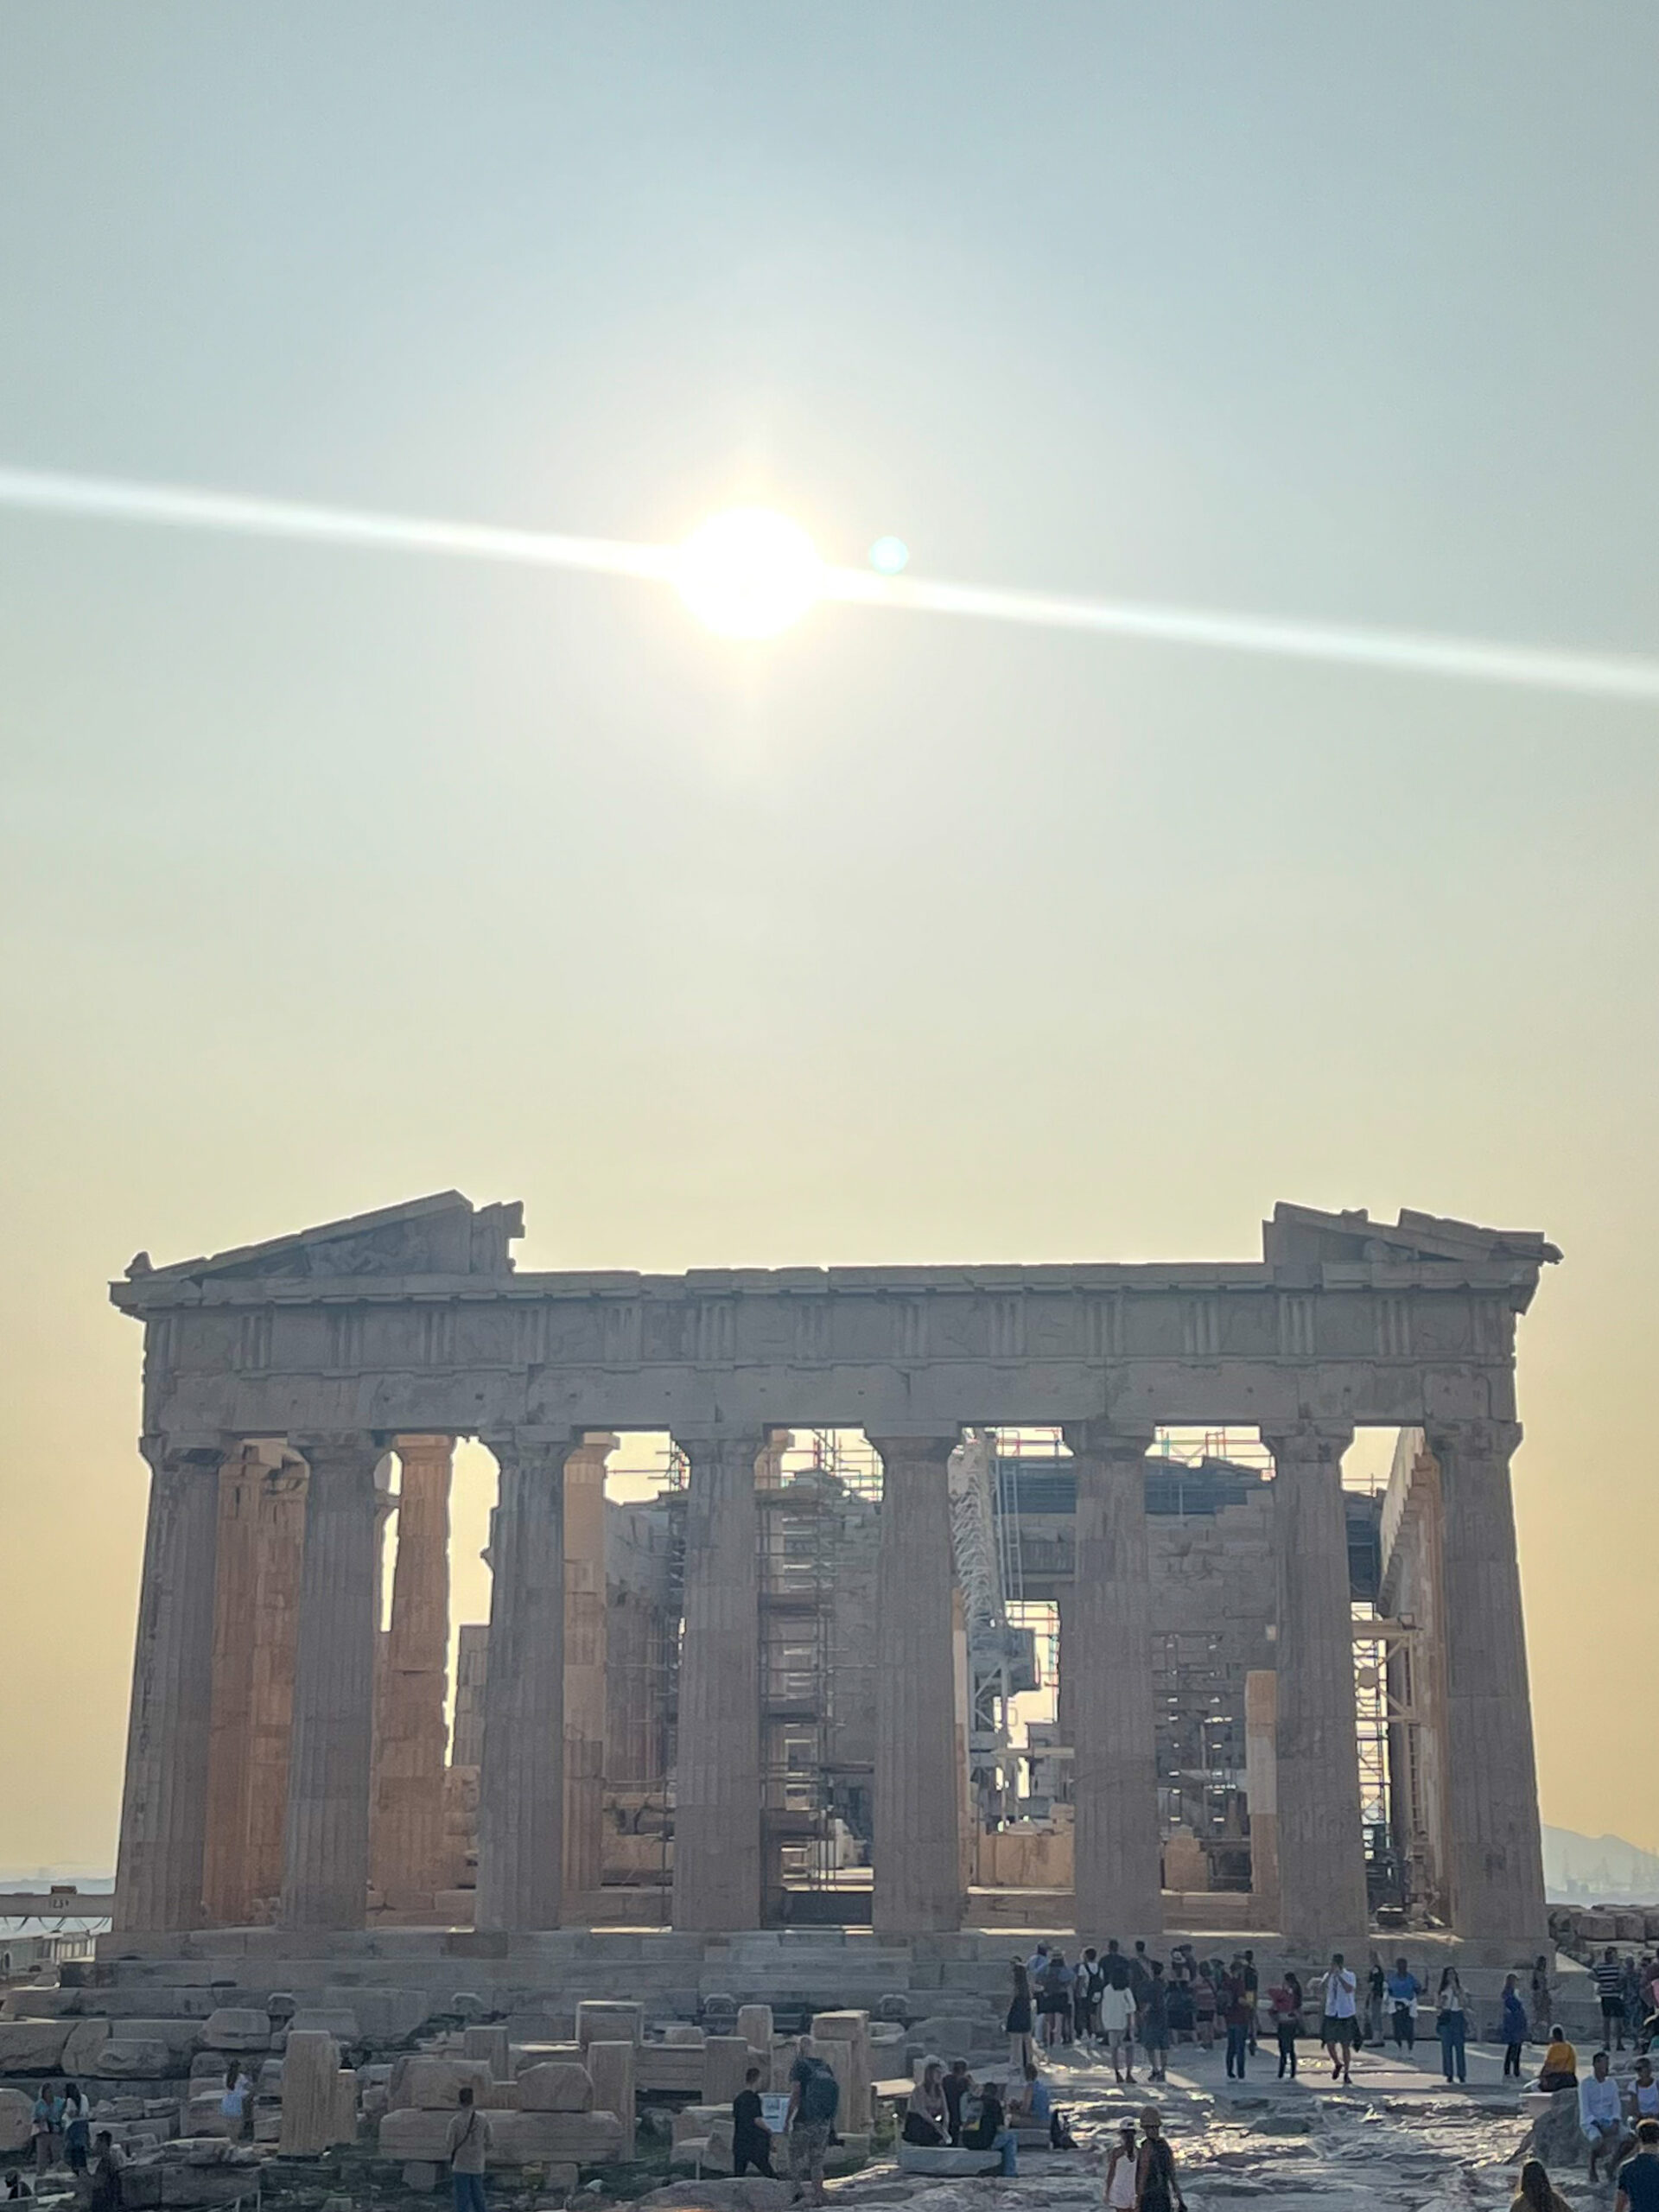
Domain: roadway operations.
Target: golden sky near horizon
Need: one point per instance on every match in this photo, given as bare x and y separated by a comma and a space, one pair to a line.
332, 878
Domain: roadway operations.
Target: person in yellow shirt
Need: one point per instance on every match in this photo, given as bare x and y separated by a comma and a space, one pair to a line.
1561, 2067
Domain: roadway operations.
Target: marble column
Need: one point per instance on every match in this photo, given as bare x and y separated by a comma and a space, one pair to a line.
1119, 1881
158, 1881
227, 1894
521, 1772
1491, 1782
1321, 1843
325, 1833
717, 1776
584, 1622
917, 1794
276, 1641
412, 1739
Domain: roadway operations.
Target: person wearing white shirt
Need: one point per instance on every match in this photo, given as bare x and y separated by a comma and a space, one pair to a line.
1339, 2022
1601, 2115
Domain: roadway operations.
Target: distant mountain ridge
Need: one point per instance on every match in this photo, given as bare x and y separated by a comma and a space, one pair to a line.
1597, 1869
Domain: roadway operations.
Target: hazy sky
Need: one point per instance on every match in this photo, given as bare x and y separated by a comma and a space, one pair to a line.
330, 878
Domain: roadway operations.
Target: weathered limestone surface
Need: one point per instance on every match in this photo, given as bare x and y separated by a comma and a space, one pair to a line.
584, 1665
1321, 1847
158, 1880
609, 2020
517, 2138
754, 2026
918, 1885
16, 2120
311, 2090
1261, 1788
411, 1742
275, 1638
491, 2045
1108, 1650
521, 1780
326, 1852
237, 2028
610, 2066
557, 2085
32, 2046
717, 1805
726, 2059
1494, 1846
227, 1894
431, 2084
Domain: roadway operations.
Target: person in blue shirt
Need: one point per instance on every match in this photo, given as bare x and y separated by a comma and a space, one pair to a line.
1514, 2027
1404, 1990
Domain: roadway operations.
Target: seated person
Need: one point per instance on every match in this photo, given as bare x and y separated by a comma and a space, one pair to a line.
957, 2083
927, 2112
1601, 2115
1561, 2067
1032, 2106
1644, 2091
990, 2131
751, 2137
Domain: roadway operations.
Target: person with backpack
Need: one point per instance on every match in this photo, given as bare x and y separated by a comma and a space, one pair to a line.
990, 2130
467, 2145
814, 2100
1018, 2023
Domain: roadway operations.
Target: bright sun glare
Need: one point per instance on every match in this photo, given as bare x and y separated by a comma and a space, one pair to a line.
748, 573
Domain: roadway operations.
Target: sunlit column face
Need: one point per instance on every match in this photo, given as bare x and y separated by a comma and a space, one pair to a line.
748, 573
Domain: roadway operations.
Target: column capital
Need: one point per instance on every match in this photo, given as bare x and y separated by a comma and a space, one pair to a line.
1104, 1440
526, 1447
1474, 1439
423, 1446
1309, 1441
928, 1446
173, 1455
347, 1446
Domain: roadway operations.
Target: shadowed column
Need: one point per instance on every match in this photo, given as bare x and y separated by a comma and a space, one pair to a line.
717, 1779
1496, 1863
158, 1883
1321, 1842
227, 1892
585, 1624
521, 1774
326, 1834
918, 1786
1107, 1655
413, 1738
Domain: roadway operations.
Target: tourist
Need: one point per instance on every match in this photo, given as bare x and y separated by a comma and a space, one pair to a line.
925, 2114
1537, 2192
1054, 2000
1253, 1992
1513, 2026
1338, 2020
1153, 2022
1376, 1991
1117, 2023
1285, 2010
751, 2137
1018, 2023
106, 2172
1543, 2000
1561, 2067
990, 2130
467, 2145
1156, 2189
236, 2105
43, 2127
1183, 2020
1036, 1965
1085, 1994
1404, 1990
1638, 2178
956, 2084
1644, 2091
1601, 2115
1140, 1974
1610, 1988
1204, 2006
1032, 2106
77, 2136
1118, 2193
814, 2100
1452, 2012
1636, 2010
17, 2186
1236, 2008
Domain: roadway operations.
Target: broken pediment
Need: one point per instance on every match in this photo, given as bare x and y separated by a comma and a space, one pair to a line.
1304, 1235
445, 1235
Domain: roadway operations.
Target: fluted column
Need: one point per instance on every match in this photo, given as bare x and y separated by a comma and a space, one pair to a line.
1496, 1863
917, 1794
325, 1833
227, 1894
1321, 1842
275, 1642
586, 1619
717, 1776
521, 1775
158, 1882
413, 1738
1107, 1655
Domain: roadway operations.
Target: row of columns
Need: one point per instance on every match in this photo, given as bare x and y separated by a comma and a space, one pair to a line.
919, 1886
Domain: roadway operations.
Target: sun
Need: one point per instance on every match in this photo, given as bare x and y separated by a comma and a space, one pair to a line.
748, 572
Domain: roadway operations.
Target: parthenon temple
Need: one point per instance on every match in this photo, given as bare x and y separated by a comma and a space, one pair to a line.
1119, 1598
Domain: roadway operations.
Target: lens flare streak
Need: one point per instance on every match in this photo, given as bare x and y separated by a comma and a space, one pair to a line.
1411, 653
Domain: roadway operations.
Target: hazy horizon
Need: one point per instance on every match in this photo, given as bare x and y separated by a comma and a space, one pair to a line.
332, 877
